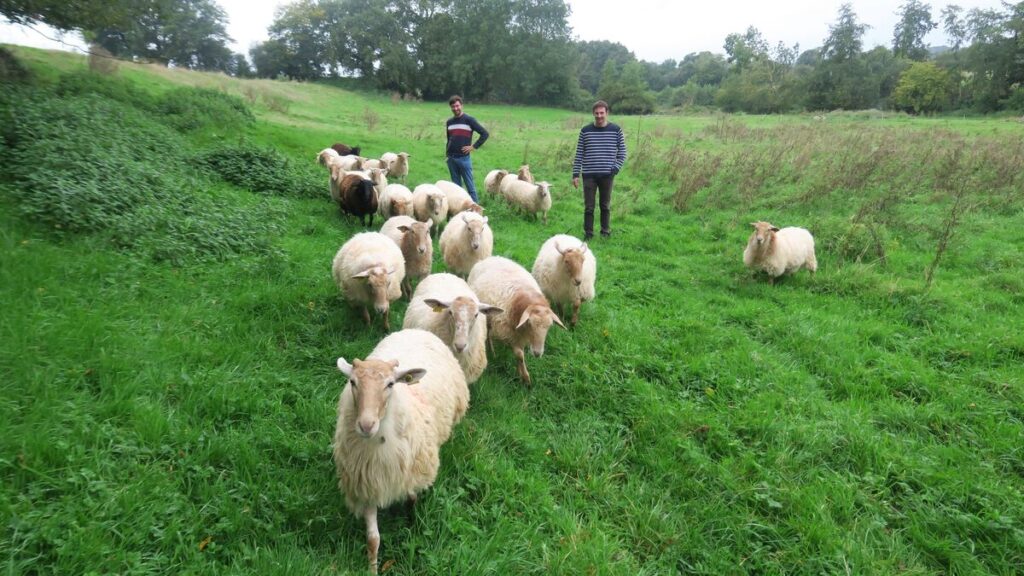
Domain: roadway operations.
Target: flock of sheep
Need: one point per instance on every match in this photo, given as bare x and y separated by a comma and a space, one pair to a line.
401, 403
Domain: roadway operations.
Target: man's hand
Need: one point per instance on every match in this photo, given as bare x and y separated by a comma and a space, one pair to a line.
575, 181
467, 149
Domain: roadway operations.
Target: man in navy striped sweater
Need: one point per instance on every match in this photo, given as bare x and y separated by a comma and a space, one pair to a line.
459, 130
600, 154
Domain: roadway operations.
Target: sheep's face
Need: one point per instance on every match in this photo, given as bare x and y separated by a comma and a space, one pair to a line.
763, 234
399, 208
572, 261
463, 313
474, 230
378, 280
416, 238
543, 189
436, 205
372, 383
325, 157
524, 173
537, 320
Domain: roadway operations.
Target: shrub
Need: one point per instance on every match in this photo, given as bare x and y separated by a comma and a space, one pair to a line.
88, 164
101, 61
263, 170
11, 71
85, 82
189, 109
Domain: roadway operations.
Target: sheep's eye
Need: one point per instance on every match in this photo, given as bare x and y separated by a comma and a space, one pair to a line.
390, 384
352, 383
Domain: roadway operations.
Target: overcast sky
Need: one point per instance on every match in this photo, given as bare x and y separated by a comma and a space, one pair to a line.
653, 30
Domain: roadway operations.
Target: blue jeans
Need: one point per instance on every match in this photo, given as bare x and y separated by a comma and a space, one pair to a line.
461, 169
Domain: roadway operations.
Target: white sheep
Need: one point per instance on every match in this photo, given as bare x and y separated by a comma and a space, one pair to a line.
566, 271
526, 315
429, 203
506, 184
395, 201
347, 163
524, 173
466, 240
445, 305
394, 413
532, 198
373, 163
459, 199
413, 238
493, 180
397, 164
325, 156
779, 252
369, 268
379, 177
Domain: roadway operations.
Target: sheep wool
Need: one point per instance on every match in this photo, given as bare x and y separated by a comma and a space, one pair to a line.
394, 413
566, 270
369, 269
466, 240
779, 251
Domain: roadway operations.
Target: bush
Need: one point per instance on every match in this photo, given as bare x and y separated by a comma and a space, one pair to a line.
120, 90
11, 71
88, 164
263, 170
189, 109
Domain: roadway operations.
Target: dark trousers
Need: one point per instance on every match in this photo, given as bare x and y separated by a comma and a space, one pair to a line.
590, 186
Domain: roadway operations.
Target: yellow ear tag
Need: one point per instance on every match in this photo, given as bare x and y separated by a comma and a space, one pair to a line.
438, 309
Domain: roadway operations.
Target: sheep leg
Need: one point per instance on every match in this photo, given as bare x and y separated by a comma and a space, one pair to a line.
372, 537
366, 315
575, 312
387, 324
406, 287
521, 365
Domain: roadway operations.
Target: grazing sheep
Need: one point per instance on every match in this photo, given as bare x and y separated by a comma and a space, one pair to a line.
779, 252
413, 238
444, 305
344, 150
369, 268
493, 180
373, 163
566, 270
524, 173
506, 184
459, 199
347, 163
533, 198
395, 201
325, 156
429, 203
355, 194
525, 317
466, 240
397, 164
380, 181
394, 413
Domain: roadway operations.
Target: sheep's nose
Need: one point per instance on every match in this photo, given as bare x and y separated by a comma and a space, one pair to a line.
578, 282
460, 347
422, 250
366, 428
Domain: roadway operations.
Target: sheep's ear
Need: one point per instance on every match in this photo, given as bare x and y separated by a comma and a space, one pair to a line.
583, 248
437, 305
774, 229
489, 310
557, 320
754, 224
523, 318
410, 376
559, 249
404, 228
485, 217
463, 216
345, 367
429, 222
362, 274
384, 171
391, 270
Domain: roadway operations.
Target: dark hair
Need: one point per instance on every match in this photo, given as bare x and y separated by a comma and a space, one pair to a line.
600, 104
455, 99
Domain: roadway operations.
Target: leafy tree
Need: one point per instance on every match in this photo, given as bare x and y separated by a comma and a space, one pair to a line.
704, 69
63, 15
922, 89
954, 25
743, 50
626, 90
185, 33
914, 24
594, 56
845, 38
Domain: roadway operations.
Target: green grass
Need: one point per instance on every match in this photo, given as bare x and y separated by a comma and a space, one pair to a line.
175, 415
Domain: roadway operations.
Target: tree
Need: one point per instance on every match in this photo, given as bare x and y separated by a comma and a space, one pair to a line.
743, 50
185, 33
626, 90
594, 56
845, 37
64, 15
922, 89
914, 24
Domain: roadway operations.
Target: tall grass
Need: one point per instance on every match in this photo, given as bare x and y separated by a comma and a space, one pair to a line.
174, 415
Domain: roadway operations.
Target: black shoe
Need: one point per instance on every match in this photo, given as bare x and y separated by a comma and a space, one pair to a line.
606, 234
588, 237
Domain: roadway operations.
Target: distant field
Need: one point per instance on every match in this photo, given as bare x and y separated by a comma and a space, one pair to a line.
169, 391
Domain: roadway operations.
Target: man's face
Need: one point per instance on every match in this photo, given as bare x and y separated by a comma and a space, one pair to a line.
456, 108
600, 115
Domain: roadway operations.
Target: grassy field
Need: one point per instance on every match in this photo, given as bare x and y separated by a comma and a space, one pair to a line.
168, 390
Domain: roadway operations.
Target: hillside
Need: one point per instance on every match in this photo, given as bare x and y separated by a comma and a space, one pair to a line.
170, 331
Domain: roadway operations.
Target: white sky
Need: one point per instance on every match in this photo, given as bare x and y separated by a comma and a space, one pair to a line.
653, 30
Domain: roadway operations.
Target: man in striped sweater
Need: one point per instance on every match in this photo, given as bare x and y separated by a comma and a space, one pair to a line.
600, 154
459, 130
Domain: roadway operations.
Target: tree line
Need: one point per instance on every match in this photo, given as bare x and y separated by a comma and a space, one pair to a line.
522, 51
